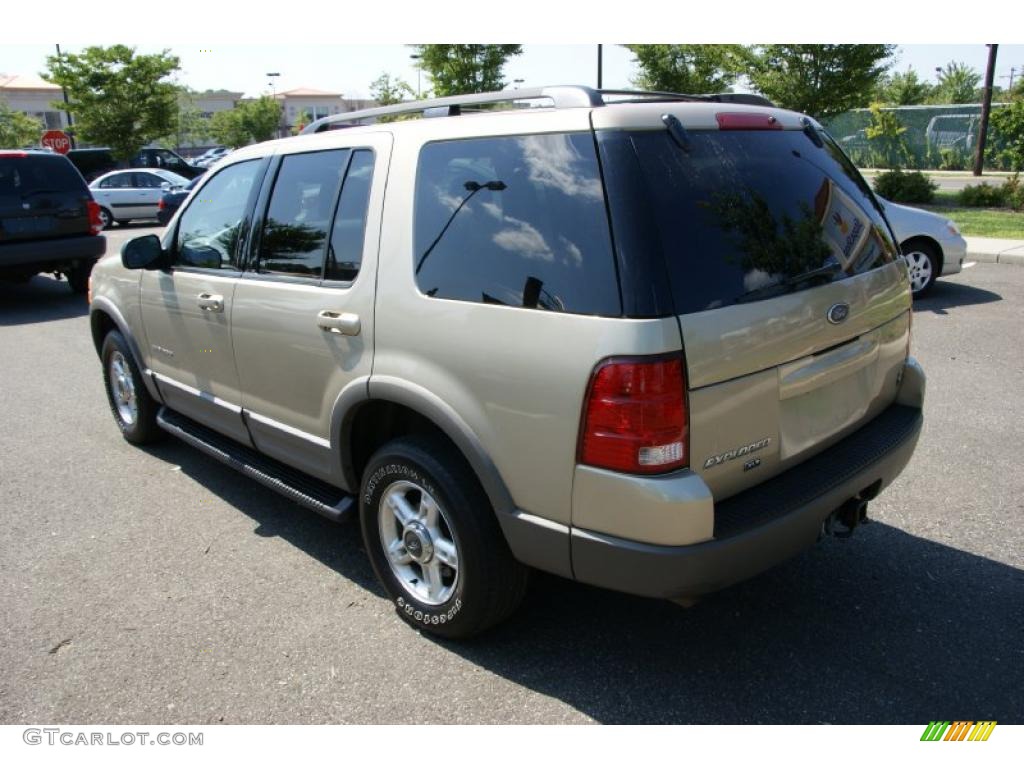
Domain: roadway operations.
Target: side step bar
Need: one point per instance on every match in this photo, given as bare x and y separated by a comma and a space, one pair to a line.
310, 492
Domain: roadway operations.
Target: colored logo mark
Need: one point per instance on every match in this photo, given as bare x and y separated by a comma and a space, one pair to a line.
959, 730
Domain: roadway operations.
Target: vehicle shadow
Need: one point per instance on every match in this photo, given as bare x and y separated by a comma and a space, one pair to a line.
885, 627
39, 300
946, 295
339, 547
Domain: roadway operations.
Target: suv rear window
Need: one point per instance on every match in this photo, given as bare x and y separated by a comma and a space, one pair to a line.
34, 174
515, 220
748, 215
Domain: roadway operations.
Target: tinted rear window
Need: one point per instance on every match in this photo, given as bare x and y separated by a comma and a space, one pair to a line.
30, 175
748, 215
515, 220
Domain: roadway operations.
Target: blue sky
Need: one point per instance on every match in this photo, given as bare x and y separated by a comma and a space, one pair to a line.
350, 68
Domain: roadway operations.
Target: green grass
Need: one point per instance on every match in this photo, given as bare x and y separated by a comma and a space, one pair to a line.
978, 222
983, 222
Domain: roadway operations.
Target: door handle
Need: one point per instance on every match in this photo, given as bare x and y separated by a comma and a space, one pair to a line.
210, 302
345, 323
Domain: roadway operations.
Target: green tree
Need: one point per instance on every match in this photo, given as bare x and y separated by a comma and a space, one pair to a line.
251, 121
688, 68
958, 84
458, 69
901, 88
189, 126
119, 98
18, 129
886, 136
820, 80
388, 89
1005, 147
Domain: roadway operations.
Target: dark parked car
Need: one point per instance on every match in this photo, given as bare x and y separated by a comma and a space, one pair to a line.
48, 219
172, 199
93, 163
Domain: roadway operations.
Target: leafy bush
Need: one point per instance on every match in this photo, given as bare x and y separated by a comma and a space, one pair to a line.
885, 136
1013, 192
952, 159
983, 196
902, 187
1006, 144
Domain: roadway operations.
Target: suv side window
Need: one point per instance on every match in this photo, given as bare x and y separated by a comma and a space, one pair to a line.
294, 237
210, 227
517, 220
345, 253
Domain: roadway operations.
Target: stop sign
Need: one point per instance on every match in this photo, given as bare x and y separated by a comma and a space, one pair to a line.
58, 141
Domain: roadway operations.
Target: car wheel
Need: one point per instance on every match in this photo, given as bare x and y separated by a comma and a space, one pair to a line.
106, 219
133, 408
434, 541
923, 264
78, 277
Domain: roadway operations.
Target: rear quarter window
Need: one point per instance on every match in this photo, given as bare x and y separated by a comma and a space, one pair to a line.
518, 221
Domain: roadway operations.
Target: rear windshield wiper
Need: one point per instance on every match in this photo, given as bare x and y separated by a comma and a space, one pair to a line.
790, 282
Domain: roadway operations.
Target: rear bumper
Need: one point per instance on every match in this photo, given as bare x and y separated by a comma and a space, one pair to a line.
51, 252
764, 525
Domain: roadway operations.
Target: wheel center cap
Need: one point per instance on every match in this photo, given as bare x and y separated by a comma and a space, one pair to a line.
417, 542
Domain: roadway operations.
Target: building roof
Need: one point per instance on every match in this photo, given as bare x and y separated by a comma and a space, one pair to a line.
307, 92
25, 83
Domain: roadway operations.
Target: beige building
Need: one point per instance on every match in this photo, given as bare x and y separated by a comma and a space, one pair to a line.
33, 95
300, 106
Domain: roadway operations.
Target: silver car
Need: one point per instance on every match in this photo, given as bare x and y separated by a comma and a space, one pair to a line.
133, 193
931, 244
649, 342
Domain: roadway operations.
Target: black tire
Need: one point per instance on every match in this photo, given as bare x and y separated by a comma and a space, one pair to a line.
78, 277
922, 258
489, 583
143, 428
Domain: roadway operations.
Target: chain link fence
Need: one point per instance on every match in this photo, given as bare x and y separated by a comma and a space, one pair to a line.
938, 137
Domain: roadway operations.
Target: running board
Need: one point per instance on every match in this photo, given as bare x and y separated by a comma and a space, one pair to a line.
314, 494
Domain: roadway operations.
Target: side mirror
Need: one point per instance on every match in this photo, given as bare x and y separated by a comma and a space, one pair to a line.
142, 253
165, 185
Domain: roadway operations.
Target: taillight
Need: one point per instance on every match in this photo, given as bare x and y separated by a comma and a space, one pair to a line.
635, 416
95, 222
747, 121
162, 204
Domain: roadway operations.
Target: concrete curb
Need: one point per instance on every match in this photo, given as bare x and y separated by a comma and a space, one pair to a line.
989, 250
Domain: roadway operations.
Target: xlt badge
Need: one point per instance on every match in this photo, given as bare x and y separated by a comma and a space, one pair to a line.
735, 453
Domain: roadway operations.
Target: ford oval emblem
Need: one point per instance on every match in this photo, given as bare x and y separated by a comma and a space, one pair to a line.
838, 313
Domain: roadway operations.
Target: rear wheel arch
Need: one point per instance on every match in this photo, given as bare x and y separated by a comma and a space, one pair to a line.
104, 318
405, 409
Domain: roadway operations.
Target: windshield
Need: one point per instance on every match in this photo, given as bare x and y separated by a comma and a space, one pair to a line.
748, 215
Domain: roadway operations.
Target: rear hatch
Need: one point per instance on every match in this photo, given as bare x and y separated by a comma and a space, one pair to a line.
792, 303
41, 196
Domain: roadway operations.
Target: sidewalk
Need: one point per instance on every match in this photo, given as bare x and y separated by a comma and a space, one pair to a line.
995, 251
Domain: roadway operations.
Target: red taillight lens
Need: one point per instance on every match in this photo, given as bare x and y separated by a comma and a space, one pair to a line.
635, 417
162, 204
95, 222
747, 121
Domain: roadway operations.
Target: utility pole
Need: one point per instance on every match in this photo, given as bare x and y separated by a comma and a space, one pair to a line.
986, 108
67, 112
599, 58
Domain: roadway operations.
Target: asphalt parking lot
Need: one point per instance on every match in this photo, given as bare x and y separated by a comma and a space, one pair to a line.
153, 586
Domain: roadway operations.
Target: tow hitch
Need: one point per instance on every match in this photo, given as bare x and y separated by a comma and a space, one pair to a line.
845, 520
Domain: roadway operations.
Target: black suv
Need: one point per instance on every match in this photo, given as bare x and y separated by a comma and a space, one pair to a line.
48, 219
93, 163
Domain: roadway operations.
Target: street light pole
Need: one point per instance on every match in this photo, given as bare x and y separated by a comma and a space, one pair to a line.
599, 67
419, 75
273, 91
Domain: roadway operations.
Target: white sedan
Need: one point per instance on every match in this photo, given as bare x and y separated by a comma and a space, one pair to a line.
931, 244
133, 193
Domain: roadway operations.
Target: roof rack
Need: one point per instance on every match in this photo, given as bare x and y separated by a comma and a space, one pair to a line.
561, 97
